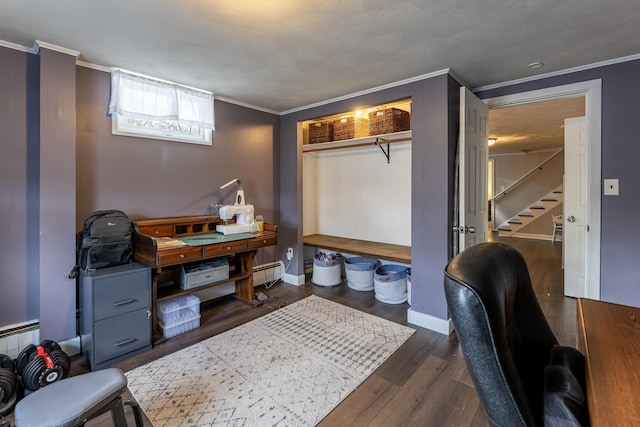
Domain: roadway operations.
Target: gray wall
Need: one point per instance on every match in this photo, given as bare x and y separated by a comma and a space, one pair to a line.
60, 162
620, 270
434, 134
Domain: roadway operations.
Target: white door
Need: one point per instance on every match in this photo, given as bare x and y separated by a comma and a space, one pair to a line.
474, 157
576, 203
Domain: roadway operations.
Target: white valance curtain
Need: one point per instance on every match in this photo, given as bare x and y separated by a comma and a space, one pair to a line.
139, 97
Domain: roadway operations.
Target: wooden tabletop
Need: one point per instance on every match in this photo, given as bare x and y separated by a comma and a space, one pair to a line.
609, 337
385, 251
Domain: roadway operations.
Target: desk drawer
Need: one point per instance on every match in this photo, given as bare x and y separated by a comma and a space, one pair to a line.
157, 230
178, 256
262, 241
121, 334
226, 248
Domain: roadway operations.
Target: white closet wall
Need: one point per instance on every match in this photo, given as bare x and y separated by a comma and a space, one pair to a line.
355, 193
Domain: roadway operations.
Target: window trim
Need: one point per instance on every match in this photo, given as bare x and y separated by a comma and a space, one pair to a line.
148, 133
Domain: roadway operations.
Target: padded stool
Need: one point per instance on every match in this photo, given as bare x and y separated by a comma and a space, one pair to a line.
73, 401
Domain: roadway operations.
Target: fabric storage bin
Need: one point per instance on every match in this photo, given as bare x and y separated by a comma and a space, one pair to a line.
350, 127
327, 269
389, 120
390, 284
320, 132
360, 272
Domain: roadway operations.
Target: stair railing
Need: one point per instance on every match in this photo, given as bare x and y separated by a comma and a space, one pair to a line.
525, 176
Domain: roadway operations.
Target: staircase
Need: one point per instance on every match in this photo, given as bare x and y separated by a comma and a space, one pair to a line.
532, 214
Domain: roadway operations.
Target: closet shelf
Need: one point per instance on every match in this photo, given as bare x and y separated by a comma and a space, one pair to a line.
388, 138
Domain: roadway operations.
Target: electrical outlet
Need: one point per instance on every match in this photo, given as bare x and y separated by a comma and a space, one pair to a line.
289, 254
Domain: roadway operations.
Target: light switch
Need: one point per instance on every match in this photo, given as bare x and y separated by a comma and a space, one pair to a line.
611, 187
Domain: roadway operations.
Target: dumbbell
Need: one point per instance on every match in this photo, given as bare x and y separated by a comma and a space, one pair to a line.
41, 365
8, 383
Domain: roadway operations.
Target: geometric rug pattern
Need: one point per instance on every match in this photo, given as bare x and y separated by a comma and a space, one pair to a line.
290, 367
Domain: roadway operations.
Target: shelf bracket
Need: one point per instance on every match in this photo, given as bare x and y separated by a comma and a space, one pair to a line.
386, 153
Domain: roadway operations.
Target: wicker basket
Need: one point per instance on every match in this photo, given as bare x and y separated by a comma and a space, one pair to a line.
350, 127
389, 120
320, 132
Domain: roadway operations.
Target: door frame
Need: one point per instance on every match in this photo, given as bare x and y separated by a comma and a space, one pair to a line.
592, 92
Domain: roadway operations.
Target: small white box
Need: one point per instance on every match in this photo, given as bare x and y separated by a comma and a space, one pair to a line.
194, 275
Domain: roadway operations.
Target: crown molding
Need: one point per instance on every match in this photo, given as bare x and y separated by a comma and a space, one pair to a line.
15, 46
371, 90
93, 66
244, 104
559, 73
40, 44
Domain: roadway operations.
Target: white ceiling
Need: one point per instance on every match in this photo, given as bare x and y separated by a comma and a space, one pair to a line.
533, 127
284, 54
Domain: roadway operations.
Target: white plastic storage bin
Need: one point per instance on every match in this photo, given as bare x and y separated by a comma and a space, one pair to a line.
390, 283
172, 329
179, 315
360, 272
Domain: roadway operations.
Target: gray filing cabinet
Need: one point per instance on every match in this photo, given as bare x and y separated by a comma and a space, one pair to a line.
115, 313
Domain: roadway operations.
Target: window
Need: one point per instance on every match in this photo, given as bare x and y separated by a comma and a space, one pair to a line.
149, 108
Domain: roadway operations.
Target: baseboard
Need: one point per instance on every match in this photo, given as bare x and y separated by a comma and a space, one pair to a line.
535, 236
72, 346
292, 279
432, 323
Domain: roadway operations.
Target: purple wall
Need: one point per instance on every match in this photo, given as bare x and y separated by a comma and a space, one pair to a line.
60, 162
620, 270
434, 118
153, 178
14, 293
57, 195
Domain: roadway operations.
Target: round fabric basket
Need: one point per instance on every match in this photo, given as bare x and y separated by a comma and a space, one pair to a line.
409, 289
327, 273
390, 284
360, 272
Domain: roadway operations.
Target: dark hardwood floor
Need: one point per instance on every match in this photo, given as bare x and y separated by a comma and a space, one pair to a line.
425, 382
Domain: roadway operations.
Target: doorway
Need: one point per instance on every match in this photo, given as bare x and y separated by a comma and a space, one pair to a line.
591, 91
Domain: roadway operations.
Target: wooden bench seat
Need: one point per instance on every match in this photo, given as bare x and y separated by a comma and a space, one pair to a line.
384, 251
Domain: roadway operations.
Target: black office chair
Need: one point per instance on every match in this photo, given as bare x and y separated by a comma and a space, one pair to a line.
507, 343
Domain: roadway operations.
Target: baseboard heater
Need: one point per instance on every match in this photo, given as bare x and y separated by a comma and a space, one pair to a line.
14, 338
267, 273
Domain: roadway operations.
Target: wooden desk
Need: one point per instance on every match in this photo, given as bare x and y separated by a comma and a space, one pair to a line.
609, 337
386, 251
166, 262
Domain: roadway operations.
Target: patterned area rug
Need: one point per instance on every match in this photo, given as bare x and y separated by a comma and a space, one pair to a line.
290, 367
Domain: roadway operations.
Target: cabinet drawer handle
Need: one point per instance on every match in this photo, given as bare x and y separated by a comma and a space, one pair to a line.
157, 232
228, 248
124, 342
124, 302
264, 241
181, 255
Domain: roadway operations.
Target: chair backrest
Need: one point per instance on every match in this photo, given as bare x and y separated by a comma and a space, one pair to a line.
504, 335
